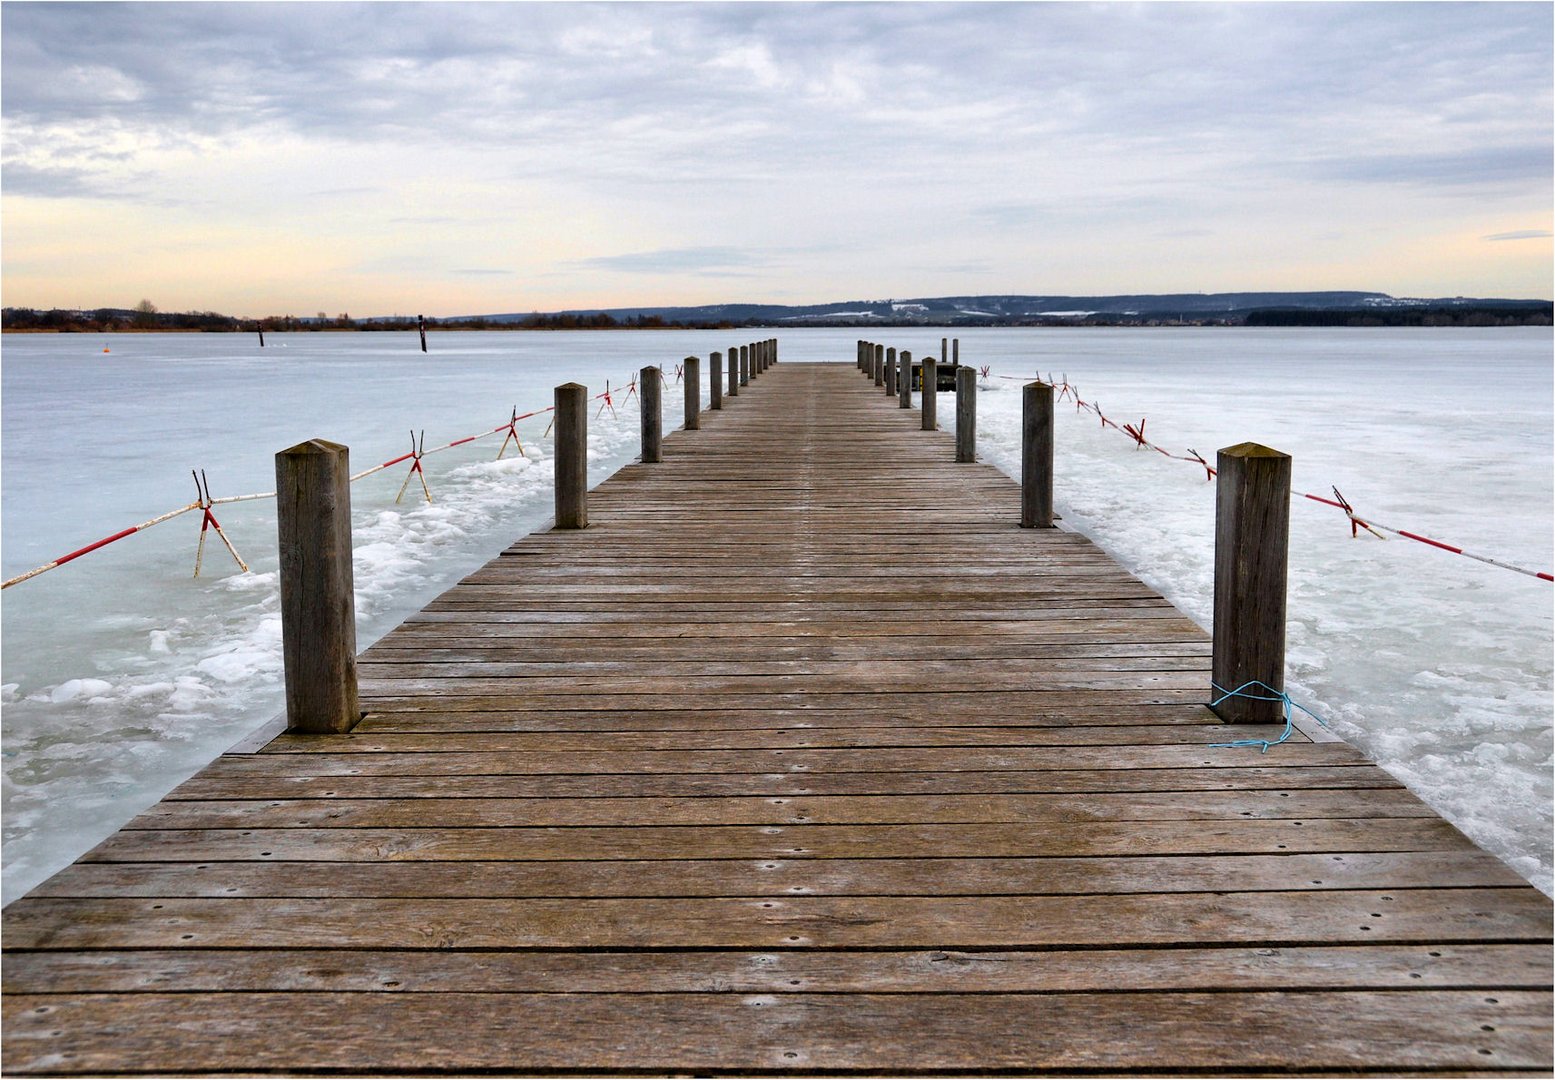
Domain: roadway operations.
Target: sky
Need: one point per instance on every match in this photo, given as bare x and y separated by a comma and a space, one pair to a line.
448, 159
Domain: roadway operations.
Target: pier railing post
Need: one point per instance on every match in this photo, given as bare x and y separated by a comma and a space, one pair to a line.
693, 383
1036, 456
890, 372
944, 350
745, 362
715, 380
904, 379
734, 371
650, 400
955, 352
1252, 532
966, 414
930, 393
318, 604
879, 365
572, 441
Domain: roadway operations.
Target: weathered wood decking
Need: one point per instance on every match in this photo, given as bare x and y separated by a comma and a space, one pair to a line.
802, 757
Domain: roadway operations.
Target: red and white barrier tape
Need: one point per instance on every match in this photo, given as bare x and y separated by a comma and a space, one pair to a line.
205, 502
1137, 434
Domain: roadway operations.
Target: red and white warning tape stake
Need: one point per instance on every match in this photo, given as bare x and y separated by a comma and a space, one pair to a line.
1067, 391
204, 501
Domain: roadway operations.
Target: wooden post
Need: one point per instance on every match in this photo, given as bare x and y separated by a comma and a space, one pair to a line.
966, 414
261, 330
693, 383
890, 372
650, 401
745, 360
904, 379
715, 380
734, 371
930, 393
318, 604
944, 350
755, 360
572, 442
1252, 532
1036, 456
955, 352
421, 324
879, 365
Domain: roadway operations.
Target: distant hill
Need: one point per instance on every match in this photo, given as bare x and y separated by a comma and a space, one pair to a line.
1006, 310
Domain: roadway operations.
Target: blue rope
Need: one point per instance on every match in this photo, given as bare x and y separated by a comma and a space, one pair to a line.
1273, 695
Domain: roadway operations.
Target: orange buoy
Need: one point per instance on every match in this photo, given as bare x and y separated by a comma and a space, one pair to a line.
107, 350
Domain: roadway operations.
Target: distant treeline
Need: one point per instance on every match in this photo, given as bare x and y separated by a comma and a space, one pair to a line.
116, 320
1532, 313
146, 317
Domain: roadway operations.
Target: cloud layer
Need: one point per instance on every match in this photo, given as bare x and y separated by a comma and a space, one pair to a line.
367, 155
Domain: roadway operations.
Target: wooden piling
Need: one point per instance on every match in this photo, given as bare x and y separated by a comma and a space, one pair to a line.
745, 360
734, 371
318, 605
1252, 530
572, 439
904, 379
715, 380
878, 366
1036, 456
693, 385
944, 350
650, 400
930, 393
966, 415
955, 352
890, 372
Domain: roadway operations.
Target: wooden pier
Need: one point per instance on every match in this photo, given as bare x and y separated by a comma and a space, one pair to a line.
802, 757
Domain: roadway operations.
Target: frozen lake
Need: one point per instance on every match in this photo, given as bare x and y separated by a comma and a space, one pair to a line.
122, 675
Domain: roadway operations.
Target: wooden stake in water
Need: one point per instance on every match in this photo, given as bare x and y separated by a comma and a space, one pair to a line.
572, 443
1252, 533
318, 606
693, 387
1036, 456
650, 400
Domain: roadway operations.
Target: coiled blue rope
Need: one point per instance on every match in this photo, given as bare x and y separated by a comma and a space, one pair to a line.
1273, 695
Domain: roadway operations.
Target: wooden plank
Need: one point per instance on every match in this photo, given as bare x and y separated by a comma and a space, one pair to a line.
326, 760
213, 783
379, 813
982, 876
721, 738
1455, 966
961, 922
1242, 836
1367, 1031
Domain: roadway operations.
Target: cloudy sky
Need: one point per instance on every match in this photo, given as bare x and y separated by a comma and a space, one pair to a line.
449, 158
